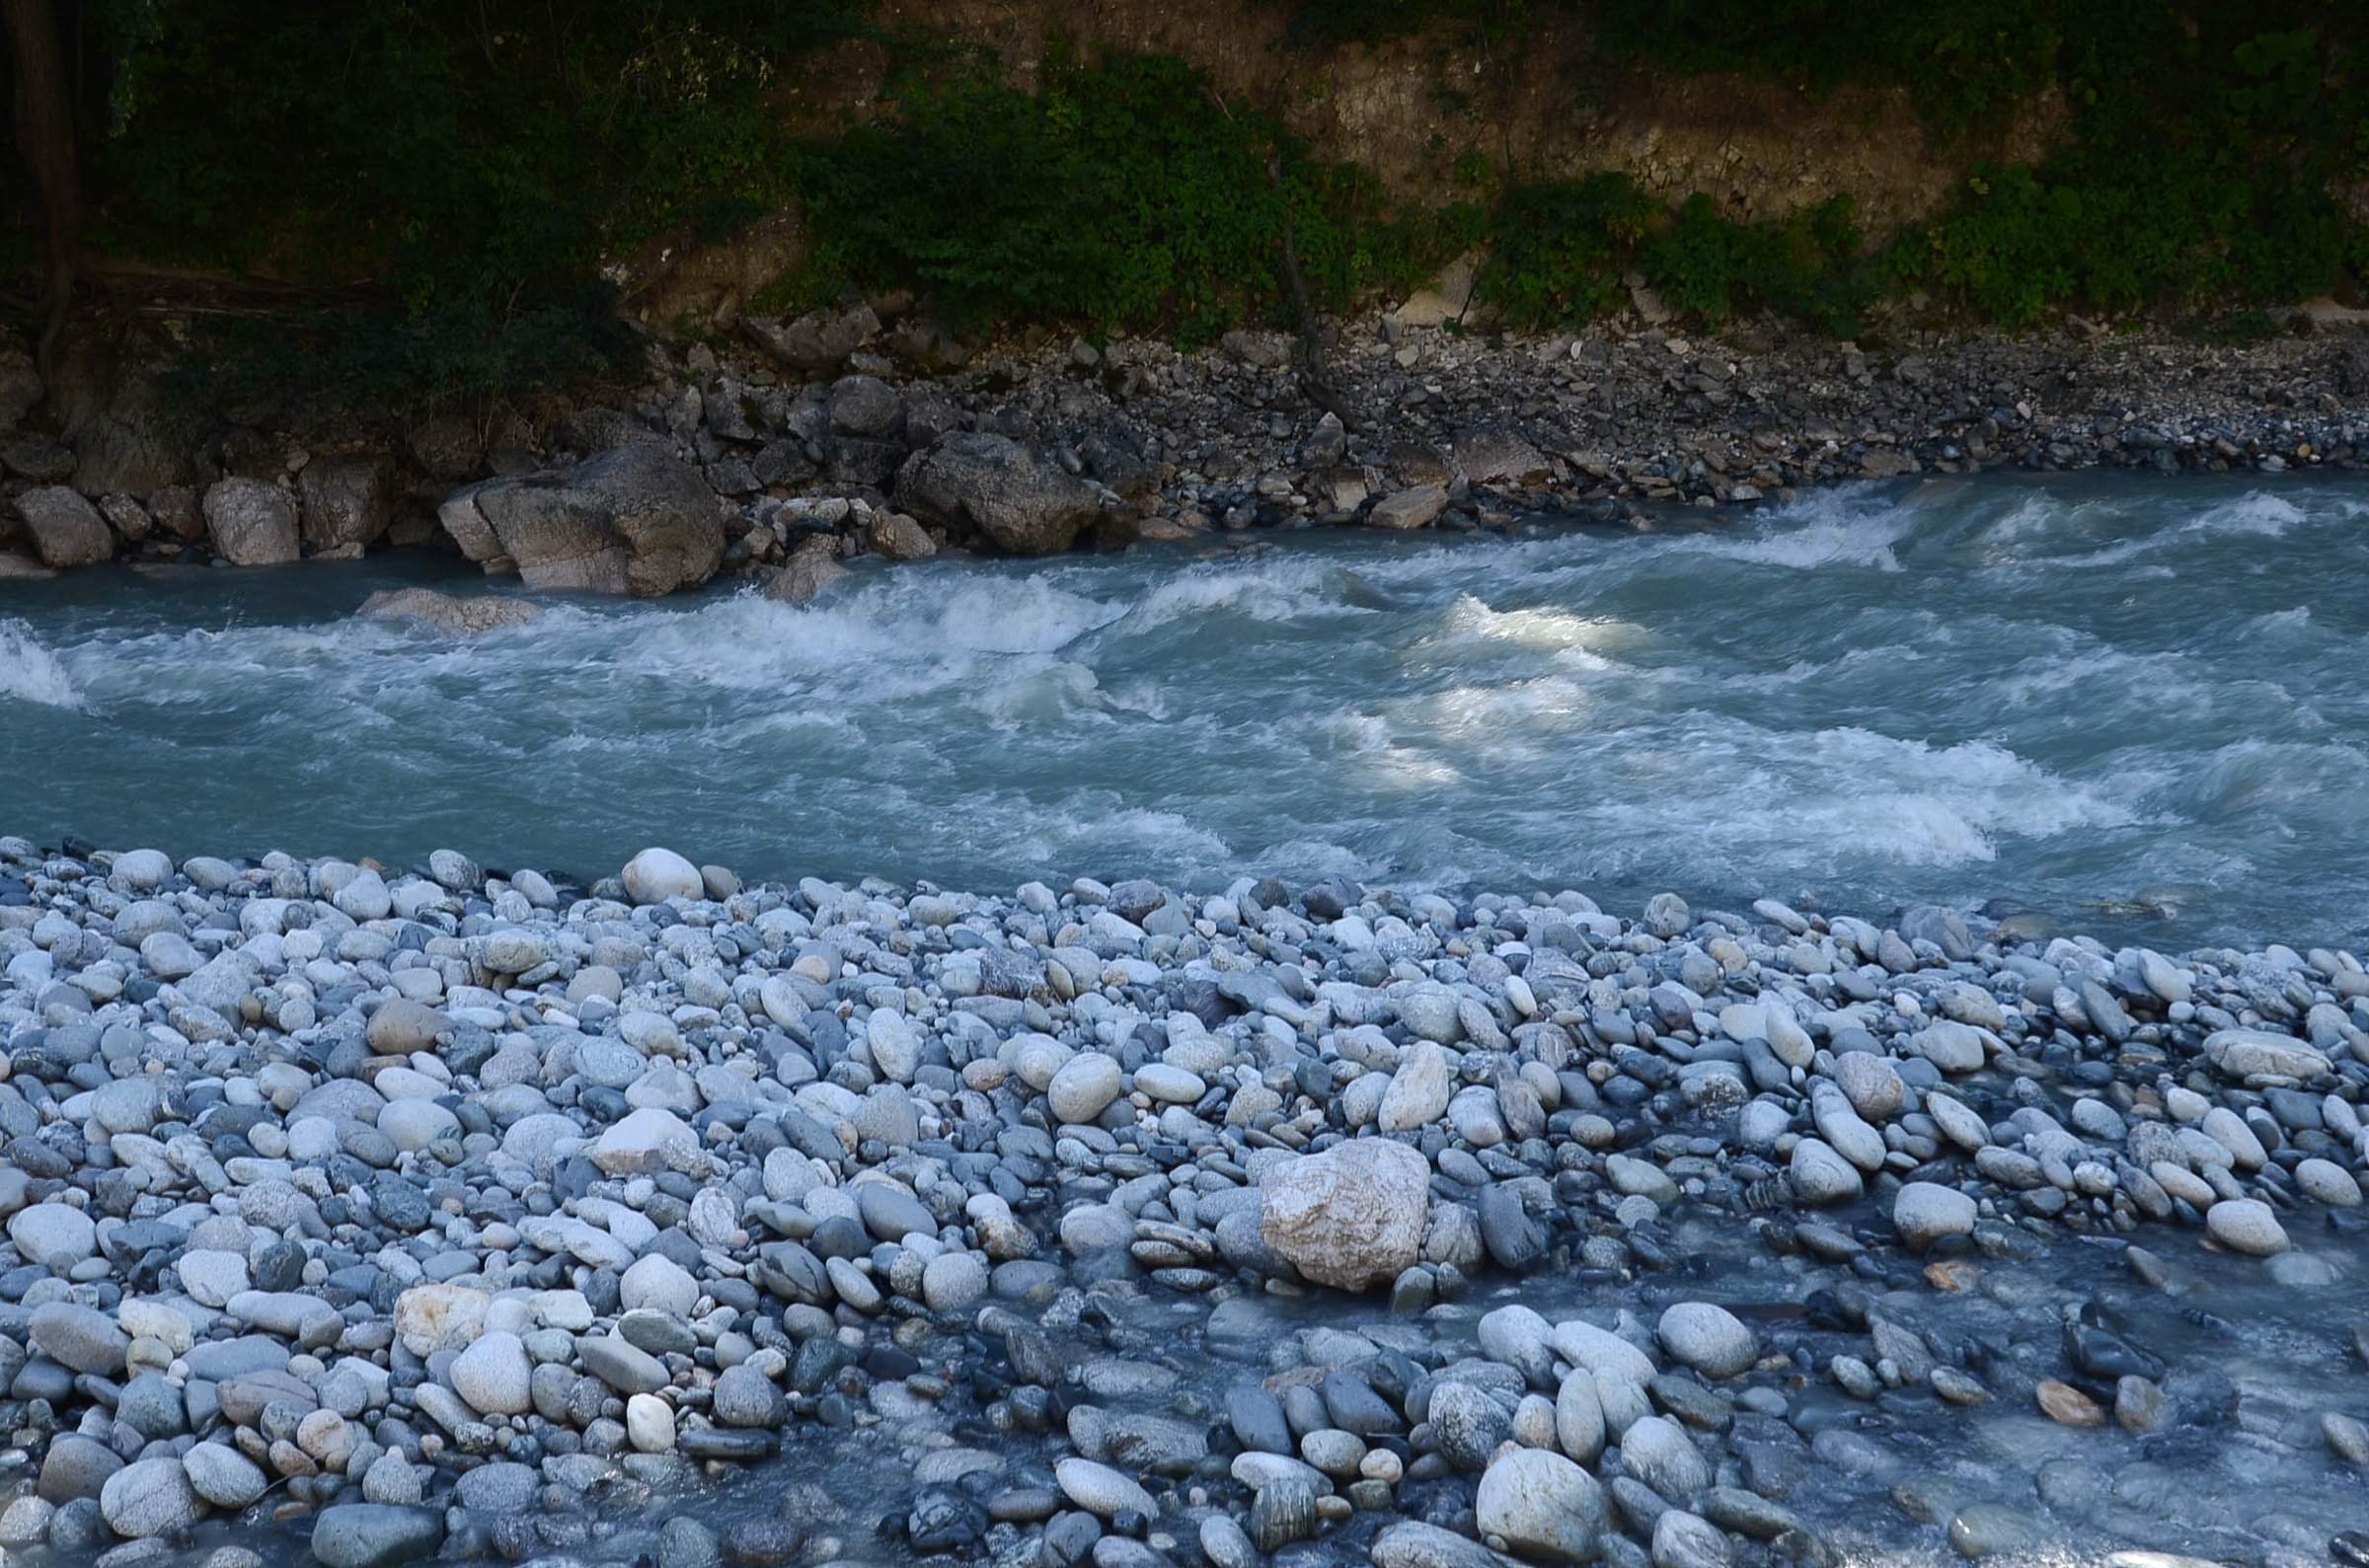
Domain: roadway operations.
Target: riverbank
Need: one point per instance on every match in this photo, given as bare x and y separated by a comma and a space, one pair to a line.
811, 443
460, 1210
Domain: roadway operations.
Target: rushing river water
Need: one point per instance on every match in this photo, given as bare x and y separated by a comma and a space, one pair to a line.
2132, 706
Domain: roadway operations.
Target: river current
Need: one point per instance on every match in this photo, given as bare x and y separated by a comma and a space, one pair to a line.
2130, 707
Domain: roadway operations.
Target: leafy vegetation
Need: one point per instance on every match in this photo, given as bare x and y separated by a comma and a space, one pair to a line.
453, 170
2203, 147
1564, 249
2201, 170
447, 177
1122, 195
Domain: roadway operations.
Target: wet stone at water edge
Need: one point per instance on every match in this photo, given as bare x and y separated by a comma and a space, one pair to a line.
687, 1220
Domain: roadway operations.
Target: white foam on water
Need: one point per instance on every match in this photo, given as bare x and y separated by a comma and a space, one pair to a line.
2262, 784
1275, 588
31, 673
1549, 702
1042, 691
2103, 673
1745, 798
2256, 514
2282, 622
1547, 630
896, 636
1837, 528
2035, 514
1099, 827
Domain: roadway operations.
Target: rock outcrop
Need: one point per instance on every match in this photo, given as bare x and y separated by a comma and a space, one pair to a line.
630, 521
253, 524
1022, 501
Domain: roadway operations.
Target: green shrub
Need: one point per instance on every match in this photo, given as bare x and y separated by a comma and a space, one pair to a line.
460, 169
1123, 194
1561, 245
1564, 248
2204, 145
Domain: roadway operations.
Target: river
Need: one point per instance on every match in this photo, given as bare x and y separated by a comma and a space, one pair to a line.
2129, 705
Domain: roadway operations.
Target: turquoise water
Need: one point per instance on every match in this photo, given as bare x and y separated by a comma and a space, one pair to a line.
2132, 706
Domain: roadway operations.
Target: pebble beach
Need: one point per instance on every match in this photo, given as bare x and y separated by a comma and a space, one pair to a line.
442, 1211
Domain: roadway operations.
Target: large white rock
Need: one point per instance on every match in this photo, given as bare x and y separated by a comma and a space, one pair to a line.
1418, 1090
1925, 1212
222, 1475
2328, 1182
1688, 1540
1710, 1339
1657, 1452
55, 1235
656, 875
140, 870
2258, 1053
1844, 1131
649, 1139
494, 1376
2245, 1225
1952, 1046
439, 1316
1594, 1349
650, 1424
1352, 1217
1579, 1417
1820, 1176
1541, 1505
150, 1497
1101, 1490
1084, 1087
660, 1284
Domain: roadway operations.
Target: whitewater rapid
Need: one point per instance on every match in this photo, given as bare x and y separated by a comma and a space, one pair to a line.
2105, 700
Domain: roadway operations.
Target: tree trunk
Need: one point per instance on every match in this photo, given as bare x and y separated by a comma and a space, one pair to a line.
45, 140
1315, 366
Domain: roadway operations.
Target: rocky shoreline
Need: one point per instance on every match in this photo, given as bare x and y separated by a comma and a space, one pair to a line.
811, 441
471, 1213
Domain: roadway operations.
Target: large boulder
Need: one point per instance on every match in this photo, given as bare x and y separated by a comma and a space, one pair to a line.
346, 503
253, 524
1352, 1217
658, 874
150, 1497
633, 520
820, 341
810, 568
67, 529
1026, 503
1494, 454
462, 614
2260, 1053
129, 437
1414, 507
375, 1534
20, 383
1542, 1504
